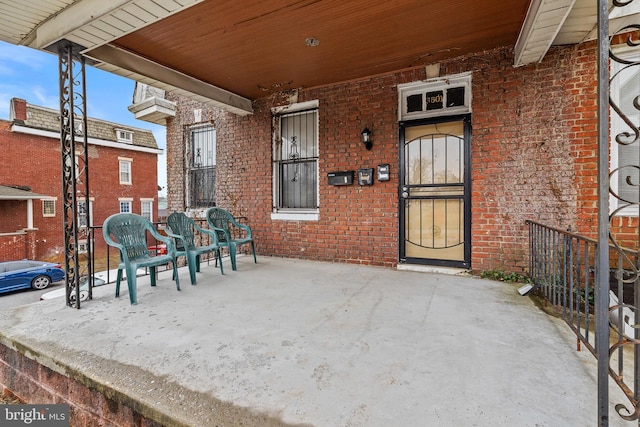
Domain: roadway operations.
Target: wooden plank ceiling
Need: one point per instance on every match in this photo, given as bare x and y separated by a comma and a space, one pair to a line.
253, 48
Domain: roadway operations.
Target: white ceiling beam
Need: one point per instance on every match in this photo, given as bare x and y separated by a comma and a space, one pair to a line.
541, 26
126, 60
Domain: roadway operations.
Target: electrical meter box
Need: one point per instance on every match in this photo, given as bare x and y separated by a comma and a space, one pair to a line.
365, 176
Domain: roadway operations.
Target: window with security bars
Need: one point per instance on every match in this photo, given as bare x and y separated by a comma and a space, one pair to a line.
296, 160
201, 155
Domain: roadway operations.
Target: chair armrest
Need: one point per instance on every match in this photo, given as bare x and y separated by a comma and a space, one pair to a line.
177, 236
166, 239
213, 235
218, 230
244, 227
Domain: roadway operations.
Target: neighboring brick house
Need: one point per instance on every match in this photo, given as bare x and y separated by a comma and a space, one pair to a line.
123, 176
528, 146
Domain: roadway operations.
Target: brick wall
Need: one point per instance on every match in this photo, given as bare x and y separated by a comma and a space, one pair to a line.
40, 169
13, 246
533, 157
90, 403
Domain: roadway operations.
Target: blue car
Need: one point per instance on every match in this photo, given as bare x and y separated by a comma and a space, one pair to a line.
25, 274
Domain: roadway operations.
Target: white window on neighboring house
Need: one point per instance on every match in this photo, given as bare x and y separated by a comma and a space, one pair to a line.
83, 246
85, 213
146, 209
125, 205
49, 208
295, 162
125, 170
125, 136
624, 145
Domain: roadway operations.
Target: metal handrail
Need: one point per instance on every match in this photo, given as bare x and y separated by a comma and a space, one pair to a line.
563, 268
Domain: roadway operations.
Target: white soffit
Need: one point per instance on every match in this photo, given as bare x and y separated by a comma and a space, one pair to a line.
18, 21
580, 25
92, 23
619, 17
544, 20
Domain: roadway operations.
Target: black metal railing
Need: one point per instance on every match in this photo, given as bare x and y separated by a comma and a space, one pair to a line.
106, 258
562, 267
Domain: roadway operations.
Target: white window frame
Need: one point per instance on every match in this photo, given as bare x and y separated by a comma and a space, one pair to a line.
89, 213
149, 204
83, 245
617, 126
288, 214
125, 202
122, 161
205, 138
52, 202
124, 136
434, 85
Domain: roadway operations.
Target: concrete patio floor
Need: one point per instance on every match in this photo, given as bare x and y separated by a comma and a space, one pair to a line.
292, 342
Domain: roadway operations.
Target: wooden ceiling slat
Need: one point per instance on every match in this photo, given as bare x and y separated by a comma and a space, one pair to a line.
246, 47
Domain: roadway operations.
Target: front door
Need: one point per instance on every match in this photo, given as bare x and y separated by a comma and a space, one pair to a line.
435, 208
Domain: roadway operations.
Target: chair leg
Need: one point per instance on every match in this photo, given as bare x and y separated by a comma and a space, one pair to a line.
197, 263
253, 248
152, 273
219, 257
118, 279
232, 255
131, 284
191, 261
176, 277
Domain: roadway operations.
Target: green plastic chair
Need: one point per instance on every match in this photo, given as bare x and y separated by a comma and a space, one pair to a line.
127, 232
224, 224
183, 231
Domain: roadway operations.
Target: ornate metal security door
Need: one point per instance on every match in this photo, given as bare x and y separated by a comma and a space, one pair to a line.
435, 192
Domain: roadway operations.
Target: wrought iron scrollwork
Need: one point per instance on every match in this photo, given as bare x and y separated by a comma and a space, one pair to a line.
75, 168
624, 315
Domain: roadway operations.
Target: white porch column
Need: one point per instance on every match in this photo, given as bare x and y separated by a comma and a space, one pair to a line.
29, 213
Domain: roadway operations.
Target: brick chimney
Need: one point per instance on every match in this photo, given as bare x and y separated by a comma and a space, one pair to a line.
18, 110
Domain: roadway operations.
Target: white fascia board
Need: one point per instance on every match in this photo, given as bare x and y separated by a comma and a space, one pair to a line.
94, 141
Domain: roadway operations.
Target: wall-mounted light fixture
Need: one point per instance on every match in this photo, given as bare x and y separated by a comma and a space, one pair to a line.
366, 138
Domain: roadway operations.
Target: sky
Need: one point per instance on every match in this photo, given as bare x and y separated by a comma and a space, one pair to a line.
33, 76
